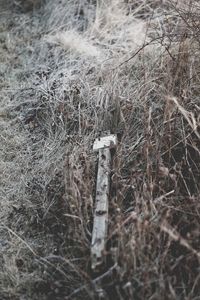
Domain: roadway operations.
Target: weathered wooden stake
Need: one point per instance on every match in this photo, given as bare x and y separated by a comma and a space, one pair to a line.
99, 234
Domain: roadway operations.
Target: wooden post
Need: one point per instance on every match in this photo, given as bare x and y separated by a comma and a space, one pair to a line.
100, 226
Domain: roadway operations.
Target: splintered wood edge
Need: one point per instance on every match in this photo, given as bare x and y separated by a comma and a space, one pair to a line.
109, 141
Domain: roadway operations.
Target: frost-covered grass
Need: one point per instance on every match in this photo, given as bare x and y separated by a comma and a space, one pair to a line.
69, 71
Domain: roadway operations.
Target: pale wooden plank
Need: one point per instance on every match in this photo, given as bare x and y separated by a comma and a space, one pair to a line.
105, 142
100, 225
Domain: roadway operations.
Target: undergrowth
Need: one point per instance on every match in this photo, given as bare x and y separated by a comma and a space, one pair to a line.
71, 70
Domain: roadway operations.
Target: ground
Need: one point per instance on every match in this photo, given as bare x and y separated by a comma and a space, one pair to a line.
70, 71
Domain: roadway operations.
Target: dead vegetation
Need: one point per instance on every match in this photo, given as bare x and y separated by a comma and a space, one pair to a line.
69, 71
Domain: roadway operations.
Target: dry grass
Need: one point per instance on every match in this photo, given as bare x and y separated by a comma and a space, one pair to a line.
69, 71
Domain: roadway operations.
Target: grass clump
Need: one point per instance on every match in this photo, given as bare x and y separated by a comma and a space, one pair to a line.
70, 71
